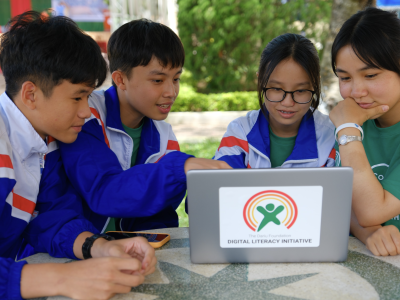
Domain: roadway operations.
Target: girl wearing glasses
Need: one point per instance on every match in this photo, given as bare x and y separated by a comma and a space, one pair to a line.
366, 58
287, 131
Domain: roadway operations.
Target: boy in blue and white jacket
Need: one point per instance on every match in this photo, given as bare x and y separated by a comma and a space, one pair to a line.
46, 95
126, 161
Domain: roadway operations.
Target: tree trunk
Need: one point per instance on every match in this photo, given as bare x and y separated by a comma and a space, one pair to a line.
341, 11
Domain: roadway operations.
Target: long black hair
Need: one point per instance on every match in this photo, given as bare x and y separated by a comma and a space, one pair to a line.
301, 50
374, 36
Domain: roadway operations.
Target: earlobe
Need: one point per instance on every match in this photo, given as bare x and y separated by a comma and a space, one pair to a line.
28, 94
118, 78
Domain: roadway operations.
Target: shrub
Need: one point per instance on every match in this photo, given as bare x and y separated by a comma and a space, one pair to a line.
190, 100
223, 39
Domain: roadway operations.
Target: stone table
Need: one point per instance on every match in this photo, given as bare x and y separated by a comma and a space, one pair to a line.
362, 276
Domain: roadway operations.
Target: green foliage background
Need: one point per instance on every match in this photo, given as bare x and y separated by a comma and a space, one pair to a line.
223, 39
190, 100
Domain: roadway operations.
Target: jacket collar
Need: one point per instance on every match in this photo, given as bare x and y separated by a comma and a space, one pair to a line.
23, 137
150, 138
305, 147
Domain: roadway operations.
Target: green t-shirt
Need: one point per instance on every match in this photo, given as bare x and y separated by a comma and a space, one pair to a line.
382, 146
280, 148
135, 134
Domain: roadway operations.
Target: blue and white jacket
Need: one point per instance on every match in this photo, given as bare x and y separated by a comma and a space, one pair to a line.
27, 214
98, 165
246, 143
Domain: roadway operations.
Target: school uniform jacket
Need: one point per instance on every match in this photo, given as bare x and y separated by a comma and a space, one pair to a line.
246, 143
98, 165
23, 216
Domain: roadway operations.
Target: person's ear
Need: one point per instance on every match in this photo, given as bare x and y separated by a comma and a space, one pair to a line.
28, 94
119, 79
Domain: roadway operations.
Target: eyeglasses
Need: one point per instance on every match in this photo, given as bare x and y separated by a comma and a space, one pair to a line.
298, 96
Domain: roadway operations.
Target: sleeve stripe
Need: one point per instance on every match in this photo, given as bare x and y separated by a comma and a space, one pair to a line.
231, 141
173, 145
5, 161
23, 203
332, 154
7, 173
96, 114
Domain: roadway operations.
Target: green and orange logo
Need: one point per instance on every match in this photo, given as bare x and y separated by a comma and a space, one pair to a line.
263, 202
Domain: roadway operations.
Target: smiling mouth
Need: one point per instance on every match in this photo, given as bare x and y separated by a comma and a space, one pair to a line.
286, 112
164, 105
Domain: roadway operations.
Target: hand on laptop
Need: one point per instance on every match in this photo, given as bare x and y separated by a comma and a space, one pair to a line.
384, 241
137, 247
204, 164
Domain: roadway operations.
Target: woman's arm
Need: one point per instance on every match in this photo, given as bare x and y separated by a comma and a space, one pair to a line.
371, 203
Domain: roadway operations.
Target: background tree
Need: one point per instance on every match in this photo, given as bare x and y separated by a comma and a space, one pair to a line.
223, 39
341, 11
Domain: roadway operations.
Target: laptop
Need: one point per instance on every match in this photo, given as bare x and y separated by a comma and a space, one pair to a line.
269, 215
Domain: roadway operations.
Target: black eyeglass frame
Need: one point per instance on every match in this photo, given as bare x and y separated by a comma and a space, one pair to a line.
288, 92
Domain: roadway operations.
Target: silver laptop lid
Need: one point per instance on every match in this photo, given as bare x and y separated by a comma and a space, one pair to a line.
269, 215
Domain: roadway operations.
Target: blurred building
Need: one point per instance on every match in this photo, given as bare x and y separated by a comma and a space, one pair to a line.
163, 11
90, 15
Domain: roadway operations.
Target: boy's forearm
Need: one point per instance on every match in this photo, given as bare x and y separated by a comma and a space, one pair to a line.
96, 247
39, 280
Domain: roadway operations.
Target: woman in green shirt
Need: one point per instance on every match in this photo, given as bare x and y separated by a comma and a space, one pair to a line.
366, 58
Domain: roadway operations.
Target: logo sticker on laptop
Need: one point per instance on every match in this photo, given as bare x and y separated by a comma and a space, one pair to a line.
258, 217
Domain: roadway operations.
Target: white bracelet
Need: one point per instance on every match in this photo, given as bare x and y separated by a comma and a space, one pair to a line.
347, 125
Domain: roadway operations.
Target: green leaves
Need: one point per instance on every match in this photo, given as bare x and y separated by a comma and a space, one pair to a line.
190, 100
223, 39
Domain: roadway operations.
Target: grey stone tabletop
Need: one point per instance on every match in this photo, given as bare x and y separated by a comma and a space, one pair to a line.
362, 276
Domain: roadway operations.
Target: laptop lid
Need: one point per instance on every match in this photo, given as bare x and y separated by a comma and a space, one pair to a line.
269, 215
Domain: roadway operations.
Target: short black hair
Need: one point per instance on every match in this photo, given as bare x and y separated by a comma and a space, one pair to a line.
137, 42
301, 50
46, 51
374, 36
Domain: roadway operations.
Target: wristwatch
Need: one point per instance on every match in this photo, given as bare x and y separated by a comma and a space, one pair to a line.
87, 245
345, 139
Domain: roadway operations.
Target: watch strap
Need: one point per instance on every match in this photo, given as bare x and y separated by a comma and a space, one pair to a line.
349, 125
87, 245
350, 138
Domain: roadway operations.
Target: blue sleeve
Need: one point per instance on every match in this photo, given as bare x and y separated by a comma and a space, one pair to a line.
235, 161
10, 278
60, 213
140, 191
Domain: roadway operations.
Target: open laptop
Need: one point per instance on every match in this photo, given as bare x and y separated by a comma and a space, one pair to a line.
269, 215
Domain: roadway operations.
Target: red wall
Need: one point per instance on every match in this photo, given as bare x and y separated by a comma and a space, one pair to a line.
20, 6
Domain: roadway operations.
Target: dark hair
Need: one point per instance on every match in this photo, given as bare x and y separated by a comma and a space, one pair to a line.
46, 51
374, 36
301, 50
137, 42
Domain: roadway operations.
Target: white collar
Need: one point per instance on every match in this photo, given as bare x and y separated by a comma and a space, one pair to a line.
23, 137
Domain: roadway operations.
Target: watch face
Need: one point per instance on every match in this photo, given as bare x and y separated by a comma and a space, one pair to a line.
343, 140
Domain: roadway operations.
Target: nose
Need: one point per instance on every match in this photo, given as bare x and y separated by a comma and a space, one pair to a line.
170, 90
358, 90
84, 110
288, 100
